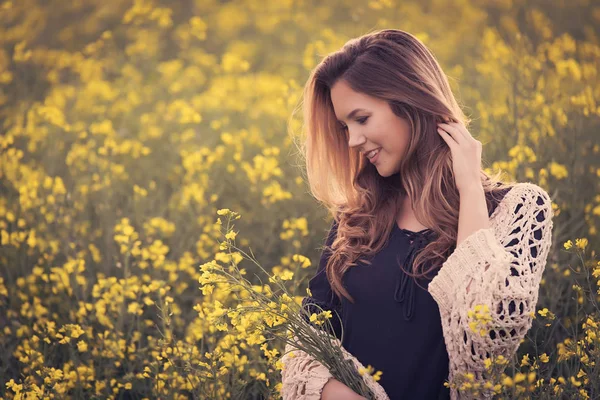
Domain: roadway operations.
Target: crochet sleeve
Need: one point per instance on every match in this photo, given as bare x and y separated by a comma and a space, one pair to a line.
499, 268
304, 377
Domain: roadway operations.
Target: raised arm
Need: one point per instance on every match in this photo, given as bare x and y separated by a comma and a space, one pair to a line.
502, 267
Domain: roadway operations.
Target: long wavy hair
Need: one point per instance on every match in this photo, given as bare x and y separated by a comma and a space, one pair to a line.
394, 66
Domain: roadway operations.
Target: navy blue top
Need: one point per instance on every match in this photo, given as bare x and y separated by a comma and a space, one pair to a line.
394, 325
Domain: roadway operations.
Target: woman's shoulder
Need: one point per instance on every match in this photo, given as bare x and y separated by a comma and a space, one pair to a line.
524, 198
523, 191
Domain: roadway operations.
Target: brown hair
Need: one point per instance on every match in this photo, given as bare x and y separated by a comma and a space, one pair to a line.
394, 66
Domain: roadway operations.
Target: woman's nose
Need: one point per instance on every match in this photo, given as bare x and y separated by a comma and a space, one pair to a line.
355, 140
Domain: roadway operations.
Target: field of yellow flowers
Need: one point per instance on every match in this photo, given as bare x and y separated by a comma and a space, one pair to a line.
127, 124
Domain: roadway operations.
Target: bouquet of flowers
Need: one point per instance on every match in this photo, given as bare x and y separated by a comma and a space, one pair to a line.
271, 312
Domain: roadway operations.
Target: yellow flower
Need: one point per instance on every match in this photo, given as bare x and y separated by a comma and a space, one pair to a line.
82, 346
313, 318
228, 213
304, 261
568, 244
501, 360
558, 170
207, 289
488, 363
520, 377
319, 318
286, 275
14, 386
581, 243
368, 370
508, 382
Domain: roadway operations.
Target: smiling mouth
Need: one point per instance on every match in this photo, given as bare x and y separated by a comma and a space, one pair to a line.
373, 153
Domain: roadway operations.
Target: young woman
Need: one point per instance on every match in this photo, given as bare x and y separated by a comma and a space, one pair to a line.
421, 234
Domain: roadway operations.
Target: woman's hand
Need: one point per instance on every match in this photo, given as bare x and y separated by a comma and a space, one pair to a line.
466, 154
336, 390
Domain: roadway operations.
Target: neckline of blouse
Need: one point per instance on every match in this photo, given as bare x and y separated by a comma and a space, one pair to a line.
413, 232
408, 232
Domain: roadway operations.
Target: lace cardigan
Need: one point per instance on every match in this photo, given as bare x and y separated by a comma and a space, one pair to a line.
501, 265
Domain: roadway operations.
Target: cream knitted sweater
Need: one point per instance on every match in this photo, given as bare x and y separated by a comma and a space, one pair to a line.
501, 266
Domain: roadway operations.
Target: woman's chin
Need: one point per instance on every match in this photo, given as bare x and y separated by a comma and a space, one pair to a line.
385, 172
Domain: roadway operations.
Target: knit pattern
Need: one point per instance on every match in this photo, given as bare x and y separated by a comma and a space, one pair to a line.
499, 267
303, 377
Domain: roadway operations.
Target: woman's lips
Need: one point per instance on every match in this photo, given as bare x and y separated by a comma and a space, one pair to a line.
374, 159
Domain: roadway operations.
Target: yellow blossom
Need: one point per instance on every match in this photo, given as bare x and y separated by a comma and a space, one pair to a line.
581, 243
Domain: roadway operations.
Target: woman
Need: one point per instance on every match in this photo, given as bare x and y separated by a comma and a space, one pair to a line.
421, 234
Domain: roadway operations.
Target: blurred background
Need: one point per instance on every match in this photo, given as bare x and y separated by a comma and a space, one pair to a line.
125, 126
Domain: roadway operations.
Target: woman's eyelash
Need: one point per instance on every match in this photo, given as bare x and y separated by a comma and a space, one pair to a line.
360, 120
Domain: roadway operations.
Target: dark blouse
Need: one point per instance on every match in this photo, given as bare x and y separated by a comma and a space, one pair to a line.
393, 325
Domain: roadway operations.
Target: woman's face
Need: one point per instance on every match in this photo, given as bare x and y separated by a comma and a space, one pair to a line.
373, 126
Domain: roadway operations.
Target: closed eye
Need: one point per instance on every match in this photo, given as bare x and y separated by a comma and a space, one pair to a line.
361, 121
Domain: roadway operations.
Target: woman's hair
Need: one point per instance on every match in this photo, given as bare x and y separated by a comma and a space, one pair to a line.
394, 66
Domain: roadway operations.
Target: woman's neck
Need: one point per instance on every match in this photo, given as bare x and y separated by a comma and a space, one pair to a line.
407, 218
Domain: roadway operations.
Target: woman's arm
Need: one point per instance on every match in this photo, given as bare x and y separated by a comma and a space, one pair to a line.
473, 212
304, 378
336, 390
499, 268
